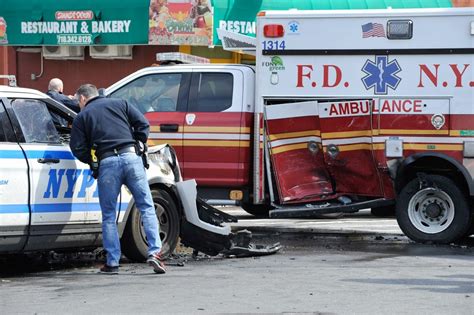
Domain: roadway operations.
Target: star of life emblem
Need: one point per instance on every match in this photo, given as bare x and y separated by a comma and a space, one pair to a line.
381, 74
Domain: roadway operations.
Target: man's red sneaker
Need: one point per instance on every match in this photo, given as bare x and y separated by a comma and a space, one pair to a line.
156, 262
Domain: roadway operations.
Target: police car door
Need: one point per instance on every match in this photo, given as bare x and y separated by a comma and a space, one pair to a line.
14, 211
58, 182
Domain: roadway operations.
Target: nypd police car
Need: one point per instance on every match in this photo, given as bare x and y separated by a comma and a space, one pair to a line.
49, 200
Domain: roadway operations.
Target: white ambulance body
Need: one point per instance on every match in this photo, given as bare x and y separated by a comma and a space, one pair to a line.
368, 108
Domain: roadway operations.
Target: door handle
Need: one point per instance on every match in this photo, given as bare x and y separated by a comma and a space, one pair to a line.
48, 161
169, 127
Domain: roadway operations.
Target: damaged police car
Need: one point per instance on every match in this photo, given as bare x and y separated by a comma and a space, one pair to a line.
49, 199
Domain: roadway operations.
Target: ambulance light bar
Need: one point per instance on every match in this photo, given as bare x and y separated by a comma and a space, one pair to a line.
177, 57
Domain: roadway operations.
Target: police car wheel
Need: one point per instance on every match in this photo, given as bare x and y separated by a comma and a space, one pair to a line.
134, 243
436, 212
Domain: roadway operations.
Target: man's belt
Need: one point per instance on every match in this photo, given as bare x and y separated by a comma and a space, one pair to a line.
126, 149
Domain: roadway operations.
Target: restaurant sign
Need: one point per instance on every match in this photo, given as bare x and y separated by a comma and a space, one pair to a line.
68, 22
75, 27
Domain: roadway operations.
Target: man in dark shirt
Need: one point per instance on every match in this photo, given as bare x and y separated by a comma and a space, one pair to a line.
55, 91
114, 127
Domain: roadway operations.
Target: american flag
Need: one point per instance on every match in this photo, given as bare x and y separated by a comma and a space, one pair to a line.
373, 30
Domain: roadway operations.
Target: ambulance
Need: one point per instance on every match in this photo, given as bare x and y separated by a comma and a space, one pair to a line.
368, 108
49, 199
344, 110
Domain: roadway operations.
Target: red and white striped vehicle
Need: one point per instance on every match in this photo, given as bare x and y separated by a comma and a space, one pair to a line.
370, 108
345, 110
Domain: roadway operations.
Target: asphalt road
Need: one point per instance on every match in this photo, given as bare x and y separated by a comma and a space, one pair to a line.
317, 273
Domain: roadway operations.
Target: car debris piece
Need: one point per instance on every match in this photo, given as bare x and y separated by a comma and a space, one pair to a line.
206, 229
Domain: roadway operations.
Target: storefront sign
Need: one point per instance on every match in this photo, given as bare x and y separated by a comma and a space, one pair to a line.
75, 31
68, 22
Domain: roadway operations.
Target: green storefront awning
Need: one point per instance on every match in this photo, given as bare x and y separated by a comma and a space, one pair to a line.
239, 15
154, 22
73, 22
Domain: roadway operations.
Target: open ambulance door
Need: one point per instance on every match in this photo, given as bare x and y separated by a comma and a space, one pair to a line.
346, 133
295, 148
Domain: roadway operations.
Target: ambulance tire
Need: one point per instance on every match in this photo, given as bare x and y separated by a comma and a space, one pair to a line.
437, 213
260, 211
134, 244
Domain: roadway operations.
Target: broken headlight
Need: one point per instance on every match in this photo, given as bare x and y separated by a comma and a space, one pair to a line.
165, 158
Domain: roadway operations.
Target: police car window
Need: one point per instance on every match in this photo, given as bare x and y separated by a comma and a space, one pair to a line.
35, 121
214, 93
152, 93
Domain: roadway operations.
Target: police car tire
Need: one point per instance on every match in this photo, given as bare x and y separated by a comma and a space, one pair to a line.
134, 245
460, 222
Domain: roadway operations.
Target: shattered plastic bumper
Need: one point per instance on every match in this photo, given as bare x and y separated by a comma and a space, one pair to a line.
206, 229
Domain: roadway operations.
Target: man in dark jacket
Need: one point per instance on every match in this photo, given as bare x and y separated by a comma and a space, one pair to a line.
55, 91
114, 127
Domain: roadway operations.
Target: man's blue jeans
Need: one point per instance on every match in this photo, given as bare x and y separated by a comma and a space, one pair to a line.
115, 171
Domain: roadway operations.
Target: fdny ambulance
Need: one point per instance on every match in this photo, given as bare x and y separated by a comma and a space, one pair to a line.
371, 108
344, 110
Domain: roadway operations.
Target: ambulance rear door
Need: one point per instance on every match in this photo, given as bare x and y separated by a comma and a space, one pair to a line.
346, 134
294, 142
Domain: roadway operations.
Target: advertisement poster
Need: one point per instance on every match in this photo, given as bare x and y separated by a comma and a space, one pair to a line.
3, 31
180, 22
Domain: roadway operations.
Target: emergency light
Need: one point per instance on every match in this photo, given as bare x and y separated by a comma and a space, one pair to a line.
273, 30
399, 29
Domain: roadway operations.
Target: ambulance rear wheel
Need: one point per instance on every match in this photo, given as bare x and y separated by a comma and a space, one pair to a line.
435, 211
134, 243
257, 210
